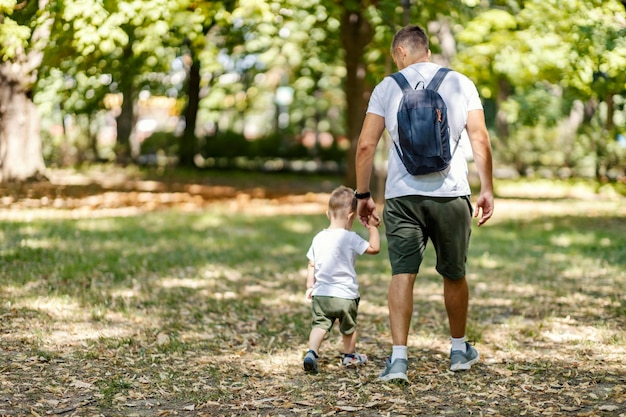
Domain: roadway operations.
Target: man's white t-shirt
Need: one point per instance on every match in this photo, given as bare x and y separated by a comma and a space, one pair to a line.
333, 253
461, 96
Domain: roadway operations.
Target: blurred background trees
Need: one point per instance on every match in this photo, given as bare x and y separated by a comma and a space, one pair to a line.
284, 84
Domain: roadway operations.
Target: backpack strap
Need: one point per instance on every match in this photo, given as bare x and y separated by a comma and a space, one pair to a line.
434, 85
438, 78
402, 82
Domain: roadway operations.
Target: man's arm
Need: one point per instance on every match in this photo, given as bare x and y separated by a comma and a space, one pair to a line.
373, 127
481, 148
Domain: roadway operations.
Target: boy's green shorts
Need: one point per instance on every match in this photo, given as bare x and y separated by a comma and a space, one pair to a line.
410, 221
326, 309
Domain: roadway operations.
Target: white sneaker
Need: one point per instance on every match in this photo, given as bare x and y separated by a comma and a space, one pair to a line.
356, 359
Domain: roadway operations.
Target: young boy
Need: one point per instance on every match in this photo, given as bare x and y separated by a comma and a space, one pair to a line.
331, 283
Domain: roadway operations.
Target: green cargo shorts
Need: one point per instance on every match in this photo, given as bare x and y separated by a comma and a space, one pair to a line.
410, 221
326, 310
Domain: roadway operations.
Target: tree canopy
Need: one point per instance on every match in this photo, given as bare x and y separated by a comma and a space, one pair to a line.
284, 75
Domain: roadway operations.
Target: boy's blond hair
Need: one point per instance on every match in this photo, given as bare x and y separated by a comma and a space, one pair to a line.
342, 202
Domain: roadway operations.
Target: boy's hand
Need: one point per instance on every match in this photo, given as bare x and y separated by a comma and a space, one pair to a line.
309, 295
374, 220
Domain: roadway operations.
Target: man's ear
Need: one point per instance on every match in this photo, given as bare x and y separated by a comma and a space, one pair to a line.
400, 52
328, 214
351, 215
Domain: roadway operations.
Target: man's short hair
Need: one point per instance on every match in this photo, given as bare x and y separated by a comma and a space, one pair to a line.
412, 37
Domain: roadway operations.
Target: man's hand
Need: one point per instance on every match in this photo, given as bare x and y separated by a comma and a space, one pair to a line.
366, 208
484, 205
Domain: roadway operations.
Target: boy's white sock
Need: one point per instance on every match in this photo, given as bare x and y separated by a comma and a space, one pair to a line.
458, 343
398, 352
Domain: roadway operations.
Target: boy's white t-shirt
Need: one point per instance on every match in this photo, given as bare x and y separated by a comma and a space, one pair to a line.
333, 253
461, 96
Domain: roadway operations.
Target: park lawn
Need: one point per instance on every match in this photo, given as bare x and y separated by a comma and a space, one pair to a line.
197, 308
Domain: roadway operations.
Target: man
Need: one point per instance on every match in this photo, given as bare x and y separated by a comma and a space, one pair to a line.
434, 206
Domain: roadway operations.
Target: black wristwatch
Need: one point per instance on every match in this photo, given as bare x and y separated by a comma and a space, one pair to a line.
362, 196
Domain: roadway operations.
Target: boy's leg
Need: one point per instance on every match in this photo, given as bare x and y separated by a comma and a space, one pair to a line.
349, 342
315, 339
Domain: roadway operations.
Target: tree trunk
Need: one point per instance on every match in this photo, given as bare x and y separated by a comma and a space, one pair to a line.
188, 143
502, 125
126, 118
21, 156
356, 34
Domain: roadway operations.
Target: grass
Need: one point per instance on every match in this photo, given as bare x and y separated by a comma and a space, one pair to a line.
200, 310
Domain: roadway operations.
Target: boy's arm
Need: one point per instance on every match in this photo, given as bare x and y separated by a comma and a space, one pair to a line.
310, 281
374, 241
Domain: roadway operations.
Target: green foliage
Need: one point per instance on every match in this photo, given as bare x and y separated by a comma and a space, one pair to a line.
532, 58
538, 106
161, 142
231, 145
537, 62
13, 38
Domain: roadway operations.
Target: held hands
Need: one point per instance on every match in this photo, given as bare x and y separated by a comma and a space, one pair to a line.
366, 210
373, 221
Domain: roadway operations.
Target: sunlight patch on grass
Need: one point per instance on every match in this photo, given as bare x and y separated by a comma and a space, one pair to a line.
367, 307
170, 282
28, 215
531, 210
573, 238
546, 188
285, 250
560, 330
285, 299
486, 261
59, 308
33, 243
70, 323
19, 291
486, 291
297, 226
429, 342
227, 295
278, 363
208, 222
79, 333
215, 271
585, 268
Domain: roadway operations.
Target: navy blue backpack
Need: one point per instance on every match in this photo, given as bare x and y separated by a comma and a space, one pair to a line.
423, 126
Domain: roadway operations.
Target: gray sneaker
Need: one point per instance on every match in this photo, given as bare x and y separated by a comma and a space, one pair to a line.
395, 371
462, 361
310, 362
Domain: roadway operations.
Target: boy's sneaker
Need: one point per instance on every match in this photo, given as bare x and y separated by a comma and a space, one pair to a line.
395, 370
310, 362
356, 359
462, 361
